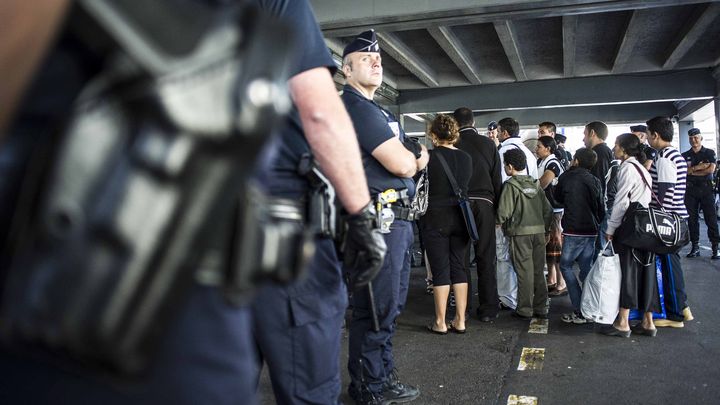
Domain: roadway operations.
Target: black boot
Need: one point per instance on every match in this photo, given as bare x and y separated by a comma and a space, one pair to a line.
695, 251
715, 252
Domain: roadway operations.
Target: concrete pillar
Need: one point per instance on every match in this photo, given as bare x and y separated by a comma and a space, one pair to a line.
683, 128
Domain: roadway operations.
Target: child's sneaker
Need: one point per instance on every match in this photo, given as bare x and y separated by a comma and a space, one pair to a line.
574, 318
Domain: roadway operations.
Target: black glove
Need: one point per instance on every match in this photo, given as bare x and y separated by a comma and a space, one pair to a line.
364, 247
413, 146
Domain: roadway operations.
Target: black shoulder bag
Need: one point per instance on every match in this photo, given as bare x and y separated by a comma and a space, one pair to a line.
463, 202
650, 229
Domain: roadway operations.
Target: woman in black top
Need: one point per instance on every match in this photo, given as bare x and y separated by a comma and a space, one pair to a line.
443, 228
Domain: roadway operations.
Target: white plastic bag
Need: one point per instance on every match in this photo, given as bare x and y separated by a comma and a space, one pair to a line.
506, 277
601, 291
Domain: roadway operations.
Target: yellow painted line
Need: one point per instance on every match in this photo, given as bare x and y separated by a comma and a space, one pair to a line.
531, 358
538, 326
521, 400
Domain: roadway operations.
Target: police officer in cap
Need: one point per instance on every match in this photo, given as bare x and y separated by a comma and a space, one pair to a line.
390, 160
701, 167
641, 132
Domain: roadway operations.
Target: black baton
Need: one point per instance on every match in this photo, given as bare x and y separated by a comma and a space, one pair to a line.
373, 310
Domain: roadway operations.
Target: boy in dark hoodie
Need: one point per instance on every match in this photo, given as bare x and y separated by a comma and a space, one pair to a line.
525, 215
580, 192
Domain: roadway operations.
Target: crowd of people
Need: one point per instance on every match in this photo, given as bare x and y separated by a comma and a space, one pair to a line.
556, 210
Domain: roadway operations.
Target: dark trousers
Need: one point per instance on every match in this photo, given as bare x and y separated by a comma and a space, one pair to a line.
297, 331
638, 287
370, 352
528, 257
673, 286
446, 254
485, 259
697, 197
206, 357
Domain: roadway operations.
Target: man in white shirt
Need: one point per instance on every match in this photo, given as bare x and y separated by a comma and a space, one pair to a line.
509, 136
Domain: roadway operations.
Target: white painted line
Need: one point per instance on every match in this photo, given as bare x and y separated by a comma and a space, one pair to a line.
531, 358
521, 400
538, 325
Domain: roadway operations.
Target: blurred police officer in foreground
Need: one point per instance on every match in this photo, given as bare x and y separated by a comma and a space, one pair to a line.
699, 194
212, 351
390, 159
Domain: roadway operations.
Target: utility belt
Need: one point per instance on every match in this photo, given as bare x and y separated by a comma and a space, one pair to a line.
393, 204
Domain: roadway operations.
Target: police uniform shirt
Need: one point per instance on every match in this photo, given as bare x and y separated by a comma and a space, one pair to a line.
279, 162
375, 125
704, 155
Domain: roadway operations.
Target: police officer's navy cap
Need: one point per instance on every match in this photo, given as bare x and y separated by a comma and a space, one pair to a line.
492, 125
365, 42
693, 132
560, 138
638, 128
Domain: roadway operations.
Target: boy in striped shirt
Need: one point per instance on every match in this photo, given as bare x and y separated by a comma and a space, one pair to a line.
669, 174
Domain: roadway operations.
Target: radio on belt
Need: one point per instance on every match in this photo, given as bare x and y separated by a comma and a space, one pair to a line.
385, 213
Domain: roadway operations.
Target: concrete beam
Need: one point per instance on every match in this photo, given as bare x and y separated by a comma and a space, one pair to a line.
688, 108
509, 42
394, 47
350, 17
452, 46
629, 41
569, 116
569, 28
689, 36
629, 88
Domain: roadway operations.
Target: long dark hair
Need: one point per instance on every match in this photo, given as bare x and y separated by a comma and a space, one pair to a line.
549, 143
632, 146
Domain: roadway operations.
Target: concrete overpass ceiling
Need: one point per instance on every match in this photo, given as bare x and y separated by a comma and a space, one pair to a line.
433, 49
541, 47
484, 47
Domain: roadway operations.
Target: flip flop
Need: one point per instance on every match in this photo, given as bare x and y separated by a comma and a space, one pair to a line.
455, 330
431, 329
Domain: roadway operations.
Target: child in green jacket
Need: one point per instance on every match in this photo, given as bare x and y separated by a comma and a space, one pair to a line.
525, 215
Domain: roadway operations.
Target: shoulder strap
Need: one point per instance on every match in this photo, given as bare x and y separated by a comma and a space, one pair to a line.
449, 175
527, 165
648, 186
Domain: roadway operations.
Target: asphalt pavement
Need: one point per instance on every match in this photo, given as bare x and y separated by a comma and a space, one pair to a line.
579, 366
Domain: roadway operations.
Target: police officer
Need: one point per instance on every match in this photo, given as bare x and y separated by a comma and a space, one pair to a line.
699, 195
641, 132
212, 352
390, 161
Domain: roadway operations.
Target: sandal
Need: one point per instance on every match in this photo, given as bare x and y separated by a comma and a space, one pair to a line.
455, 330
551, 287
431, 329
558, 293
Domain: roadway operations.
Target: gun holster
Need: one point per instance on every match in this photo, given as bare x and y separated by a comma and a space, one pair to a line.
154, 151
269, 242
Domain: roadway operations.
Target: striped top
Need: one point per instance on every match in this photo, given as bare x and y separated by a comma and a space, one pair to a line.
669, 171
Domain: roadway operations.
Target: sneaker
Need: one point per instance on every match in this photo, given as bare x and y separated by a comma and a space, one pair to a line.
574, 318
694, 252
395, 392
364, 396
667, 323
687, 314
715, 253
